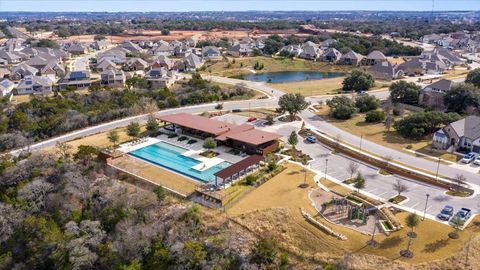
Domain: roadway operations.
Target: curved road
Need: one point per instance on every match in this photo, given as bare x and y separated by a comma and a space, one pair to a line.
308, 116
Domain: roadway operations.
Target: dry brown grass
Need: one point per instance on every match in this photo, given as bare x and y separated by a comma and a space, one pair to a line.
312, 87
155, 174
273, 210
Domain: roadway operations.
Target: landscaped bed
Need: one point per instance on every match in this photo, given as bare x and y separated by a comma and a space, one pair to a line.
397, 199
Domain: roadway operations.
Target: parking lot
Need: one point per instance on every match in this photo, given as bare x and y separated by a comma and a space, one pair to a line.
378, 184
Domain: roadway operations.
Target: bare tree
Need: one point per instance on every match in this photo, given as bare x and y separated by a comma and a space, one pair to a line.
389, 122
399, 187
458, 181
63, 149
352, 168
388, 159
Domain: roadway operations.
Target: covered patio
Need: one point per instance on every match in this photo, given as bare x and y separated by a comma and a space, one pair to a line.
237, 170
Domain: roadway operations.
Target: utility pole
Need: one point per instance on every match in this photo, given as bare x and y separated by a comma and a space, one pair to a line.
438, 167
361, 140
326, 167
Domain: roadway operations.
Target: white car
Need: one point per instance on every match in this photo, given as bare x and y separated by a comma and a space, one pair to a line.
477, 161
468, 158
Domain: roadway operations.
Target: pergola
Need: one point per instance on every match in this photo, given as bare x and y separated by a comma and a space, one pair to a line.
238, 169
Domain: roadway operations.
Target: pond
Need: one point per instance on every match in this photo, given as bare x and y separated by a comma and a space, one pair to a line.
290, 76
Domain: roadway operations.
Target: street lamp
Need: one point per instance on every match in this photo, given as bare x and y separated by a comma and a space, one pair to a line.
361, 140
326, 167
438, 167
426, 203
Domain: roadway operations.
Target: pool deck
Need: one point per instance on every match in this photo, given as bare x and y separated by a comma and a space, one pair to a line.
192, 151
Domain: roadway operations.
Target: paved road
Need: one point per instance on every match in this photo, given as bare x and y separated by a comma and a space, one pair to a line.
377, 184
310, 118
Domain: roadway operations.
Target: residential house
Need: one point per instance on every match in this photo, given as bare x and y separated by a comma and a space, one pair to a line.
163, 49
21, 71
4, 73
431, 39
78, 79
131, 47
6, 87
53, 70
191, 62
12, 58
191, 41
181, 51
3, 62
351, 58
134, 64
310, 51
292, 50
331, 55
241, 49
385, 71
159, 78
211, 53
373, 58
77, 49
105, 64
163, 61
116, 55
113, 78
432, 95
421, 66
463, 135
327, 43
99, 45
34, 85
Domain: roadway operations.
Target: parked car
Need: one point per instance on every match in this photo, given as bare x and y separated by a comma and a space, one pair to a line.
312, 139
251, 119
362, 93
446, 213
461, 216
467, 158
477, 160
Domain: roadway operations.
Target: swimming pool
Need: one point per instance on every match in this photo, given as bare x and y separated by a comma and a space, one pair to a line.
170, 157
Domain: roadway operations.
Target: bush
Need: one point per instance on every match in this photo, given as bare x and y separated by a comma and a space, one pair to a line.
160, 192
182, 138
250, 180
172, 135
341, 107
358, 80
405, 92
191, 141
374, 116
420, 124
366, 103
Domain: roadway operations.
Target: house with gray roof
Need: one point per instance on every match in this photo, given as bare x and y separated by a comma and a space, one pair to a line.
191, 62
462, 135
99, 44
11, 57
241, 49
159, 78
310, 51
134, 64
211, 53
3, 62
432, 95
351, 58
37, 85
115, 55
163, 61
385, 71
105, 64
113, 78
327, 43
4, 73
21, 71
132, 47
77, 49
331, 55
373, 58
163, 49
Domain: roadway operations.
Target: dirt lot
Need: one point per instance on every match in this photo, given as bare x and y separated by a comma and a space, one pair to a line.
273, 209
183, 34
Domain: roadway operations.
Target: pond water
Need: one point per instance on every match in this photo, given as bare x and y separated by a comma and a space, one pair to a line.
290, 76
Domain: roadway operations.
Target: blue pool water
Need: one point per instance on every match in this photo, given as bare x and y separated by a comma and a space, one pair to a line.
170, 157
290, 76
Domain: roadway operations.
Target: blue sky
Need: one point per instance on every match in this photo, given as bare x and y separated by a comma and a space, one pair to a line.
235, 5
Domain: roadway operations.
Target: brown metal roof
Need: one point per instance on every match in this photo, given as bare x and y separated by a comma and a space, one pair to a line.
254, 136
200, 123
237, 167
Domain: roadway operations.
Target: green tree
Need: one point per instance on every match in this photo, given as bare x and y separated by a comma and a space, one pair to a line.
420, 124
293, 104
367, 103
405, 92
133, 130
209, 143
165, 32
359, 182
341, 107
374, 116
86, 154
134, 265
195, 254
358, 80
160, 192
152, 125
461, 97
293, 139
264, 251
113, 137
473, 77
99, 37
136, 82
48, 43
159, 257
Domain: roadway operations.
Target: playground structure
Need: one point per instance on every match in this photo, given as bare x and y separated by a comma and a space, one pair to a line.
352, 209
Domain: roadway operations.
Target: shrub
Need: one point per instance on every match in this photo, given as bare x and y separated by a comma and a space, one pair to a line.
191, 141
172, 135
182, 138
420, 124
250, 180
366, 103
374, 116
358, 80
341, 107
